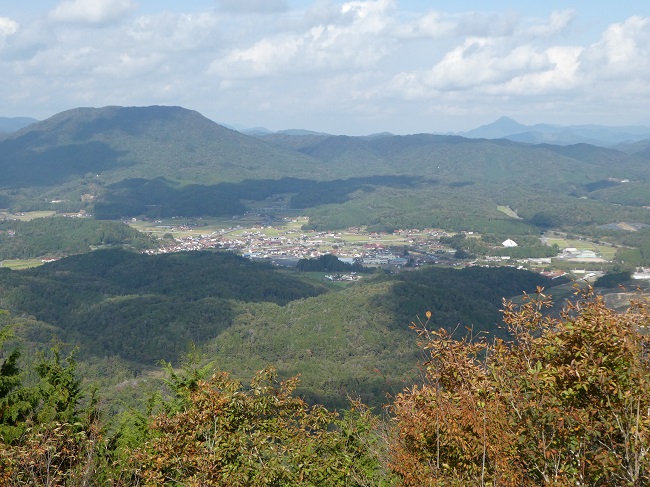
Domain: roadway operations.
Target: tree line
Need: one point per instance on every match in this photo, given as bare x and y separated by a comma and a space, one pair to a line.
59, 236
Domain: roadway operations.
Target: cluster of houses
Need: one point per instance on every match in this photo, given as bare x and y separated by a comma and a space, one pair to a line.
352, 277
286, 247
256, 244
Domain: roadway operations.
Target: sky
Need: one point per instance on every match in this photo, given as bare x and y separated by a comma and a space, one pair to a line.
342, 67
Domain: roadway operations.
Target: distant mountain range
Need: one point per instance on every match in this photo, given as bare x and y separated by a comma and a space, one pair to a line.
605, 136
134, 159
507, 128
628, 138
12, 124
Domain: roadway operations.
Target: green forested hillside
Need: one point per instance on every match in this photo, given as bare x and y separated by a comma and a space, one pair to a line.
632, 193
470, 206
142, 309
110, 144
638, 251
358, 340
563, 401
162, 161
160, 197
453, 158
56, 237
429, 205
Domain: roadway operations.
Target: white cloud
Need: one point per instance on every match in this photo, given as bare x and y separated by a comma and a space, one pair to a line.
355, 39
171, 33
480, 62
488, 25
430, 25
533, 71
92, 11
562, 75
509, 58
485, 66
8, 27
335, 59
128, 66
622, 53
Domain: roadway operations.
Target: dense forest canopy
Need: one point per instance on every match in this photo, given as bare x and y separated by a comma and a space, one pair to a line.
562, 401
59, 237
142, 309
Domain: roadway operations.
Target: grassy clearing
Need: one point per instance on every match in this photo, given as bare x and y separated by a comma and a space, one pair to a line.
21, 264
577, 244
354, 238
508, 211
605, 251
178, 226
276, 232
30, 215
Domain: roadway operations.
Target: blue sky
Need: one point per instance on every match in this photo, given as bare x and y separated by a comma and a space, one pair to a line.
345, 67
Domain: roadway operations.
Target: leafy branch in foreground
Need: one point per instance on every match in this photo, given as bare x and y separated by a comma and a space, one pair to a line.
565, 402
229, 435
45, 437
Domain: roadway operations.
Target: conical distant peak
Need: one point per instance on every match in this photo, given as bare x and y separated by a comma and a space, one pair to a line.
499, 128
505, 122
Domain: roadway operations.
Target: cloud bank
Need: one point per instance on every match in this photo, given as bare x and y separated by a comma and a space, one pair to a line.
343, 67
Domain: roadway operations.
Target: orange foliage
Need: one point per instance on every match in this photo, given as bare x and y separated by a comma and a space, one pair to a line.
565, 402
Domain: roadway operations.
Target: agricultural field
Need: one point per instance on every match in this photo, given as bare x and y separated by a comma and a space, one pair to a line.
18, 264
606, 251
24, 216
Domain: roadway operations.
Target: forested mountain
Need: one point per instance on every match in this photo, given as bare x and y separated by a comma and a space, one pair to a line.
163, 161
142, 309
458, 183
453, 158
59, 236
564, 401
115, 143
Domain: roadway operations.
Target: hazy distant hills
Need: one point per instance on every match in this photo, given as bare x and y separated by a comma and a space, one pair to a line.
455, 158
112, 144
641, 148
12, 124
464, 180
507, 128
